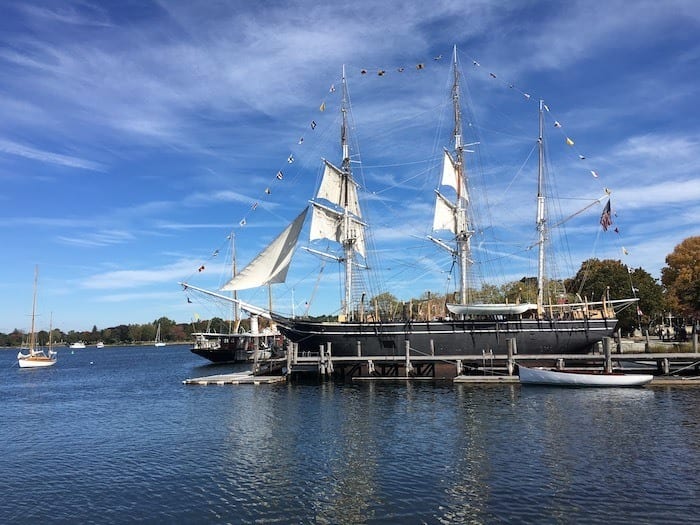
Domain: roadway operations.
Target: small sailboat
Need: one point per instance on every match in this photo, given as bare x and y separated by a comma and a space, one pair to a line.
158, 341
545, 376
36, 358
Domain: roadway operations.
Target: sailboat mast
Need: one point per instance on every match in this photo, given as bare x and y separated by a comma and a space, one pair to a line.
541, 218
235, 305
32, 336
347, 240
463, 235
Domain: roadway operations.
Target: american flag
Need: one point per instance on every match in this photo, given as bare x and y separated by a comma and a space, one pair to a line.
605, 220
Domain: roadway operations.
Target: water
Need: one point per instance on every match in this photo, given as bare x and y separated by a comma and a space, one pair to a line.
113, 436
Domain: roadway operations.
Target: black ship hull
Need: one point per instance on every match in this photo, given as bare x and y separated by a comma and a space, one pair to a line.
449, 338
222, 355
237, 348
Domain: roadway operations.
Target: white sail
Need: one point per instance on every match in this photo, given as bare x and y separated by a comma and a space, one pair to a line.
271, 265
333, 189
445, 214
450, 176
326, 223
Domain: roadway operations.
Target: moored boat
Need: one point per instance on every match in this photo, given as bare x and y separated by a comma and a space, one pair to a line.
158, 342
36, 357
77, 345
239, 347
545, 376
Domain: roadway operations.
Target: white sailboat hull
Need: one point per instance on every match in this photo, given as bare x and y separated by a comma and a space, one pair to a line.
543, 376
35, 361
159, 344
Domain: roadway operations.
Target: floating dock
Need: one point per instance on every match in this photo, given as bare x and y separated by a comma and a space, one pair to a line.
239, 378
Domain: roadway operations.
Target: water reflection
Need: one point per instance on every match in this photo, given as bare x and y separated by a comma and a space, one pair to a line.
130, 443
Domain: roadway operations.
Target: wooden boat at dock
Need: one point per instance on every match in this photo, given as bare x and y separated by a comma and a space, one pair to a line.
238, 347
571, 378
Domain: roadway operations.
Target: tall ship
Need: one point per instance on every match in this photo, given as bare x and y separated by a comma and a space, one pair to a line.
468, 325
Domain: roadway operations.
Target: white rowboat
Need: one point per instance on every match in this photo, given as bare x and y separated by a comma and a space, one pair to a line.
544, 376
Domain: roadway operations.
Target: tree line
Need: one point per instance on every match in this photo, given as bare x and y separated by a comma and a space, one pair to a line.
170, 332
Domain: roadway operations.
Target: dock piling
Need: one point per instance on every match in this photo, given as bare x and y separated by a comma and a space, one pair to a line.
408, 358
606, 353
512, 345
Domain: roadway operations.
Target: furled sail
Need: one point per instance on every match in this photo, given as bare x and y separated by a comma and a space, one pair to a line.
271, 265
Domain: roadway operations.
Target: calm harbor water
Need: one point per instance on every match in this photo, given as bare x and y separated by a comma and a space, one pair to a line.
113, 436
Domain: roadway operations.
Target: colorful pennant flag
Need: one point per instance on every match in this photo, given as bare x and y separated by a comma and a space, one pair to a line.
569, 141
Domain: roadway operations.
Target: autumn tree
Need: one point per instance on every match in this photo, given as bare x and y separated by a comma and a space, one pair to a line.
681, 277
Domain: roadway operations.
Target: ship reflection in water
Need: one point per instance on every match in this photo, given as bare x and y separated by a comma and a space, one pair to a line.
130, 442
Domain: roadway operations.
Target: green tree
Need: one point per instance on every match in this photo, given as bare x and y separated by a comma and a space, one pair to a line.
384, 305
135, 333
597, 279
652, 303
681, 277
523, 291
166, 326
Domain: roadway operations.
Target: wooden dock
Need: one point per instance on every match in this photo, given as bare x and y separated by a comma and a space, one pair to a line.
239, 378
669, 368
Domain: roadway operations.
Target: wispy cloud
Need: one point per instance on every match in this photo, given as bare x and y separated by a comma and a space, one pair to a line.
29, 152
101, 238
117, 279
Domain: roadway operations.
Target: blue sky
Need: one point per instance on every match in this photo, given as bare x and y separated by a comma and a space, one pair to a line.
136, 136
